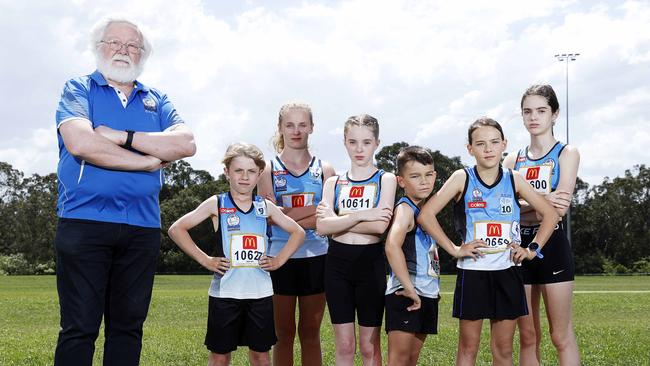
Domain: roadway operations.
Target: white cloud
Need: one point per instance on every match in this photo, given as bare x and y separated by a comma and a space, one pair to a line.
425, 69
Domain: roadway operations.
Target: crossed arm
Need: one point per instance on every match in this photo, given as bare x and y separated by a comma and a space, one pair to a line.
102, 146
374, 221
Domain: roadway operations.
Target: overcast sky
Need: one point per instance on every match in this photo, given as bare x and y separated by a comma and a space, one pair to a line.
425, 69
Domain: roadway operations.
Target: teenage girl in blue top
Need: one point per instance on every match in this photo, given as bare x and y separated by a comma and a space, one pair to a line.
294, 181
551, 168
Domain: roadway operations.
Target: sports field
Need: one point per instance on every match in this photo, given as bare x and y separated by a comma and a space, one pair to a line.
612, 318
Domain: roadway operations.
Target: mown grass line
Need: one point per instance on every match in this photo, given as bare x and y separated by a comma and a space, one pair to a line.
613, 328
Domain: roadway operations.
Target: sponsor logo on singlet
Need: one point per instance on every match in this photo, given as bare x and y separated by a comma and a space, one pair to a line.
477, 200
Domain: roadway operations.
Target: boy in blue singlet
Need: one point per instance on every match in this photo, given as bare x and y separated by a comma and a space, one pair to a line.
240, 311
412, 292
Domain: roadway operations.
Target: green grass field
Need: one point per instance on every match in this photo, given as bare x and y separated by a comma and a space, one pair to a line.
611, 315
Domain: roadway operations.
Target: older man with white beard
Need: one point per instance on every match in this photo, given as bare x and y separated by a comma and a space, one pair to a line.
115, 134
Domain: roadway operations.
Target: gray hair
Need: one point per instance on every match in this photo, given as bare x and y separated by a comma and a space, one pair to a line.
99, 29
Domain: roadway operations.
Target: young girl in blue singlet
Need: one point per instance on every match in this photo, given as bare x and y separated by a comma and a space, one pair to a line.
356, 210
294, 181
486, 213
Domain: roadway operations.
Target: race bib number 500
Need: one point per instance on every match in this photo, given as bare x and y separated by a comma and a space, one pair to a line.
495, 234
357, 198
539, 177
246, 250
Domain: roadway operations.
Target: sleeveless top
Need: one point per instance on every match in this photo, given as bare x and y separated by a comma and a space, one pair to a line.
357, 195
421, 254
241, 238
489, 213
297, 191
543, 174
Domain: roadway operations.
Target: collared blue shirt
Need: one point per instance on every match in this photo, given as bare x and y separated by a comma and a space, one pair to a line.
90, 192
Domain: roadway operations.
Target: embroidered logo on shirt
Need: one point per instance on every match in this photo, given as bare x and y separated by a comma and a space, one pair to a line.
149, 104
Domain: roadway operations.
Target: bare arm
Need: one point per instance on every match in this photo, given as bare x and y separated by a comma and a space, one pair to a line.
560, 199
85, 143
452, 188
296, 238
179, 233
543, 208
328, 223
174, 143
402, 224
386, 201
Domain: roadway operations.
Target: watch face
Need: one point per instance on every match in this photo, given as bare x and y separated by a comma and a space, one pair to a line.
533, 246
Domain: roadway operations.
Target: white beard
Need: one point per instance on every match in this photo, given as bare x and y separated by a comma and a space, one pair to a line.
121, 74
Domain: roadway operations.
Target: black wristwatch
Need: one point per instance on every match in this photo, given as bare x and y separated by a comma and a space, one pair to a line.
129, 139
535, 247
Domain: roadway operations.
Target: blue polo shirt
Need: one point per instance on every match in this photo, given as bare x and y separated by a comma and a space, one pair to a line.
90, 192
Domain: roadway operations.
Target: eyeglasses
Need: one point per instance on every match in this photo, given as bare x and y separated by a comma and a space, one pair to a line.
117, 45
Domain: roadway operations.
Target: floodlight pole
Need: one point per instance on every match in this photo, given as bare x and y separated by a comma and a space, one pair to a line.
566, 58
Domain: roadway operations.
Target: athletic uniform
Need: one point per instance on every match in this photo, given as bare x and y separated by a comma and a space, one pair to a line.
543, 174
303, 274
241, 306
355, 275
421, 254
488, 287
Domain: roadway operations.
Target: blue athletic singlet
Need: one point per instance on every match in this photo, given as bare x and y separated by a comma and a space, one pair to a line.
297, 191
421, 254
241, 238
489, 213
543, 174
357, 195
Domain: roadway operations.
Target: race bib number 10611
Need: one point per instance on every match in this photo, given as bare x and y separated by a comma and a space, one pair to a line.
357, 198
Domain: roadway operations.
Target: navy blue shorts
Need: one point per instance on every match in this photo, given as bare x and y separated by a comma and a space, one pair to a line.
240, 322
557, 264
495, 295
300, 277
421, 321
355, 281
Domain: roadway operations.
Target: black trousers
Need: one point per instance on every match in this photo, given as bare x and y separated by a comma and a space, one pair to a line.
103, 269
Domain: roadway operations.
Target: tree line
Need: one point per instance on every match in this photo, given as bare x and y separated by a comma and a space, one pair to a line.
610, 221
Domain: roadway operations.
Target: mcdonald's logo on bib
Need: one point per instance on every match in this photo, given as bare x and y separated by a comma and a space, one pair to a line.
249, 242
356, 192
298, 201
494, 230
532, 173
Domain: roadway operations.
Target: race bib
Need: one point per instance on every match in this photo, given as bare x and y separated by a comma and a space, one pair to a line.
539, 177
434, 262
246, 250
495, 234
357, 198
298, 200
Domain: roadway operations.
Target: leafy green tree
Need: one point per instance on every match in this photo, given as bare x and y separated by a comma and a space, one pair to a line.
172, 259
612, 223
